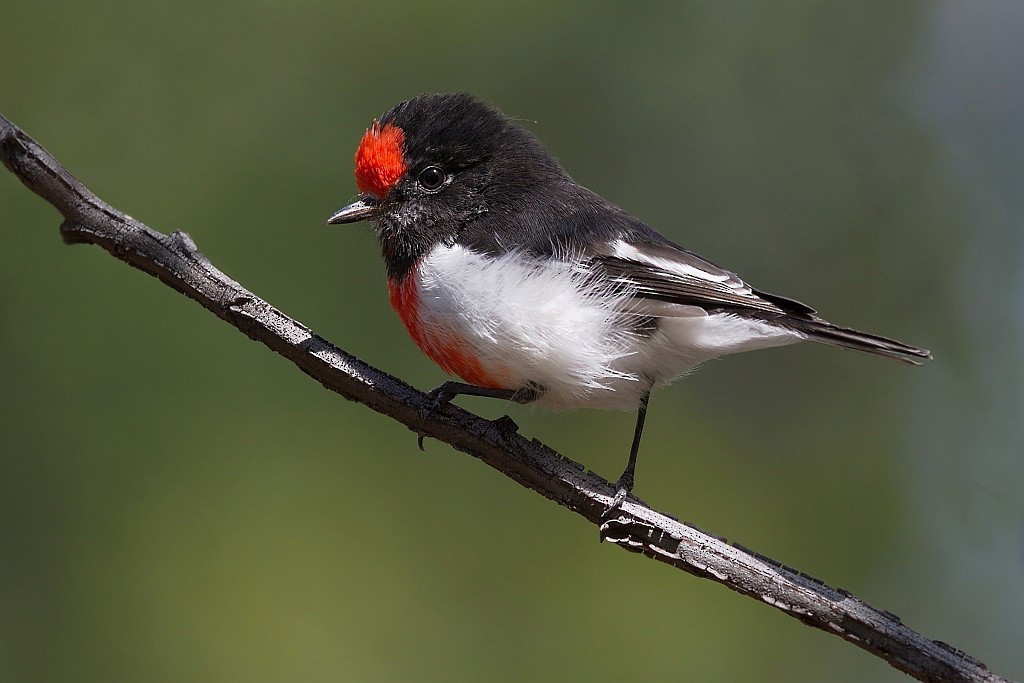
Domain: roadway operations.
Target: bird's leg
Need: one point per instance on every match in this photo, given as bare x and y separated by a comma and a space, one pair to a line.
449, 390
625, 483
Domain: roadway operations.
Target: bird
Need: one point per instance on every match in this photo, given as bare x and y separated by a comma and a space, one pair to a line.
531, 288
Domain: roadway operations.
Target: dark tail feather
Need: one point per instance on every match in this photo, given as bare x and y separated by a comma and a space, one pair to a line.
843, 337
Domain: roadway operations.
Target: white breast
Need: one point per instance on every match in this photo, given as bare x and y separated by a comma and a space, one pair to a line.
554, 326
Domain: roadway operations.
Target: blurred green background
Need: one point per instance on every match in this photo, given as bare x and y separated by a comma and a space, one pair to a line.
178, 503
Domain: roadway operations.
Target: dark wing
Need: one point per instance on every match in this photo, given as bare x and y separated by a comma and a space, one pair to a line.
663, 272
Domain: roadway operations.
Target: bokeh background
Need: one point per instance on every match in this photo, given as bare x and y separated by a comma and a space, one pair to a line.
178, 503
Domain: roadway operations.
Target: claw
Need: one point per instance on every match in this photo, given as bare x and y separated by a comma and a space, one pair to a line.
620, 496
438, 397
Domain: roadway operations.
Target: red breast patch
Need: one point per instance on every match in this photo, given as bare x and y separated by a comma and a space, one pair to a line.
453, 354
379, 159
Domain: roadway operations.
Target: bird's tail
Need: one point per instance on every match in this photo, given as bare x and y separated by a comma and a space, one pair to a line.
843, 337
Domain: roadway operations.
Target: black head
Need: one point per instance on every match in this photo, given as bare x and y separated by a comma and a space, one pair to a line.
434, 166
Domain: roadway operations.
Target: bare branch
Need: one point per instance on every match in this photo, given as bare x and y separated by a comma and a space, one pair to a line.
176, 261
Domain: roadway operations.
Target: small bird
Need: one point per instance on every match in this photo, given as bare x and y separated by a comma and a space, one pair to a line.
531, 288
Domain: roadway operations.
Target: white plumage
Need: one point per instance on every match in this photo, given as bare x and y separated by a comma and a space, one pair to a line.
556, 326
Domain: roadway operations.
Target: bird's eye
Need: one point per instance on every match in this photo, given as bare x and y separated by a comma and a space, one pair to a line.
431, 178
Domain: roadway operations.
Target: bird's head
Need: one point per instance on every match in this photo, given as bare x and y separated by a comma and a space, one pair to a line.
433, 165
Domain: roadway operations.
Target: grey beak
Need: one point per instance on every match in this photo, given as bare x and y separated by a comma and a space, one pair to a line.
359, 210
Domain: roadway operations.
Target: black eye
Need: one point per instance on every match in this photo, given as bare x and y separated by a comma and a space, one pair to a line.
431, 178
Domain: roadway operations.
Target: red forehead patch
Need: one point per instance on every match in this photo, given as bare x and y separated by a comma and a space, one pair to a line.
379, 159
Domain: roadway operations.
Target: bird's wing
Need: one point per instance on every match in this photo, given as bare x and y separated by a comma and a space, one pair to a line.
663, 272
669, 281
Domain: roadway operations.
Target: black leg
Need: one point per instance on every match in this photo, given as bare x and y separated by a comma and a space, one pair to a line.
625, 483
449, 390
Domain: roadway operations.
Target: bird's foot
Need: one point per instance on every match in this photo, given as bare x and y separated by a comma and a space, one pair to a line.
449, 390
438, 397
623, 487
608, 520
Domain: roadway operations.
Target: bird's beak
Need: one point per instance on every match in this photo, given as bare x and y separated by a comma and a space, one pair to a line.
359, 210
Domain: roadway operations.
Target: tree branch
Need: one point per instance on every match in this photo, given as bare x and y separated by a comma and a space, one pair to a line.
176, 261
